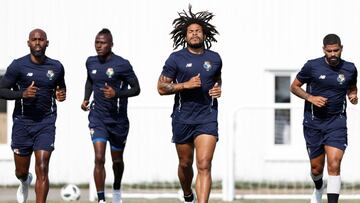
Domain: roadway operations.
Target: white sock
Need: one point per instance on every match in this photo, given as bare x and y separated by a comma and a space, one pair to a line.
334, 185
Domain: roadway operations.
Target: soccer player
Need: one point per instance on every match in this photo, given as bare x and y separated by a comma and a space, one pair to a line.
109, 77
329, 80
34, 82
193, 74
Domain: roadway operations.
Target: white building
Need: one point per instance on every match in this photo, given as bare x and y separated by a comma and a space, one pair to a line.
263, 43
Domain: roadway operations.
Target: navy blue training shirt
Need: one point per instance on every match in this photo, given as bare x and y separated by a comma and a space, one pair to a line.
46, 76
115, 72
194, 106
329, 82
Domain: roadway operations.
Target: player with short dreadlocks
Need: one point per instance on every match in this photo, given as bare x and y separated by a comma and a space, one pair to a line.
193, 74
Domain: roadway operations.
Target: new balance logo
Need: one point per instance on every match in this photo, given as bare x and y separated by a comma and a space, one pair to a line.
322, 77
188, 65
29, 74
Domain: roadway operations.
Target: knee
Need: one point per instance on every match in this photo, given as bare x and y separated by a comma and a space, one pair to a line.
99, 160
185, 163
204, 165
42, 170
334, 168
317, 169
21, 174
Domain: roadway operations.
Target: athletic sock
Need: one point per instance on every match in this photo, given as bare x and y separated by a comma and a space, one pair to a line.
189, 198
318, 180
101, 195
333, 198
333, 188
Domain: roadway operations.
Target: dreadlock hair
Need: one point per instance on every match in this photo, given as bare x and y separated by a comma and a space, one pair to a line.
185, 19
105, 31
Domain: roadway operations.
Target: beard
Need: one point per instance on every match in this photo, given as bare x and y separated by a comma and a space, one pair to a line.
333, 60
196, 46
39, 53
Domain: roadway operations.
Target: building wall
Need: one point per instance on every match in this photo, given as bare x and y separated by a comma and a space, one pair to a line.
257, 39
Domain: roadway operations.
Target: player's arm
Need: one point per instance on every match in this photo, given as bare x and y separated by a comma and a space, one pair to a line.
215, 92
166, 86
7, 93
352, 94
87, 94
133, 91
60, 91
296, 89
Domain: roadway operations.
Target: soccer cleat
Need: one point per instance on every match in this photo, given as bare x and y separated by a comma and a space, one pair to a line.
23, 190
102, 201
316, 196
116, 198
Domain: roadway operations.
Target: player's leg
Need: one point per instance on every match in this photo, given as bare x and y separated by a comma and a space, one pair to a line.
335, 146
185, 154
22, 164
99, 138
44, 138
205, 147
316, 152
117, 137
22, 146
99, 169
334, 157
42, 159
118, 169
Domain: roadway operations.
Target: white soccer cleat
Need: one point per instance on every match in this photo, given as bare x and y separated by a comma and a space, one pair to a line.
316, 196
116, 198
23, 190
102, 201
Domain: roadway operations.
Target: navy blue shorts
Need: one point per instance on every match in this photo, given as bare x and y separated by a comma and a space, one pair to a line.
333, 133
186, 133
115, 132
29, 138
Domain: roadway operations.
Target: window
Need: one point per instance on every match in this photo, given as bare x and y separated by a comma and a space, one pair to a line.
3, 121
282, 115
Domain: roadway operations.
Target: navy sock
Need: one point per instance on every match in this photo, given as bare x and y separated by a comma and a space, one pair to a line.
101, 195
318, 183
189, 198
332, 198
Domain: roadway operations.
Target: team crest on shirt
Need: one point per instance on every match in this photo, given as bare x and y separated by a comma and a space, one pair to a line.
110, 72
341, 78
50, 74
207, 65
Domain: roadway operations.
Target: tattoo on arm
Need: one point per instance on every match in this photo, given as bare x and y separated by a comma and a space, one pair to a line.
166, 86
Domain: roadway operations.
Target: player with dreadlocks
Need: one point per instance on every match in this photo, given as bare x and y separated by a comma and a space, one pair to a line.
193, 74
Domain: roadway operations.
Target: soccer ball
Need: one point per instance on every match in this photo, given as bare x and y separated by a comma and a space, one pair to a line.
70, 192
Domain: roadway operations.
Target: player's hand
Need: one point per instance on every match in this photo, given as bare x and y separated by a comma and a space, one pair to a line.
353, 98
215, 92
318, 101
85, 105
60, 94
109, 92
30, 91
194, 82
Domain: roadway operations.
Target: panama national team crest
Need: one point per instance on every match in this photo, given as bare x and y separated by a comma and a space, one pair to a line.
341, 78
50, 74
207, 65
110, 72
